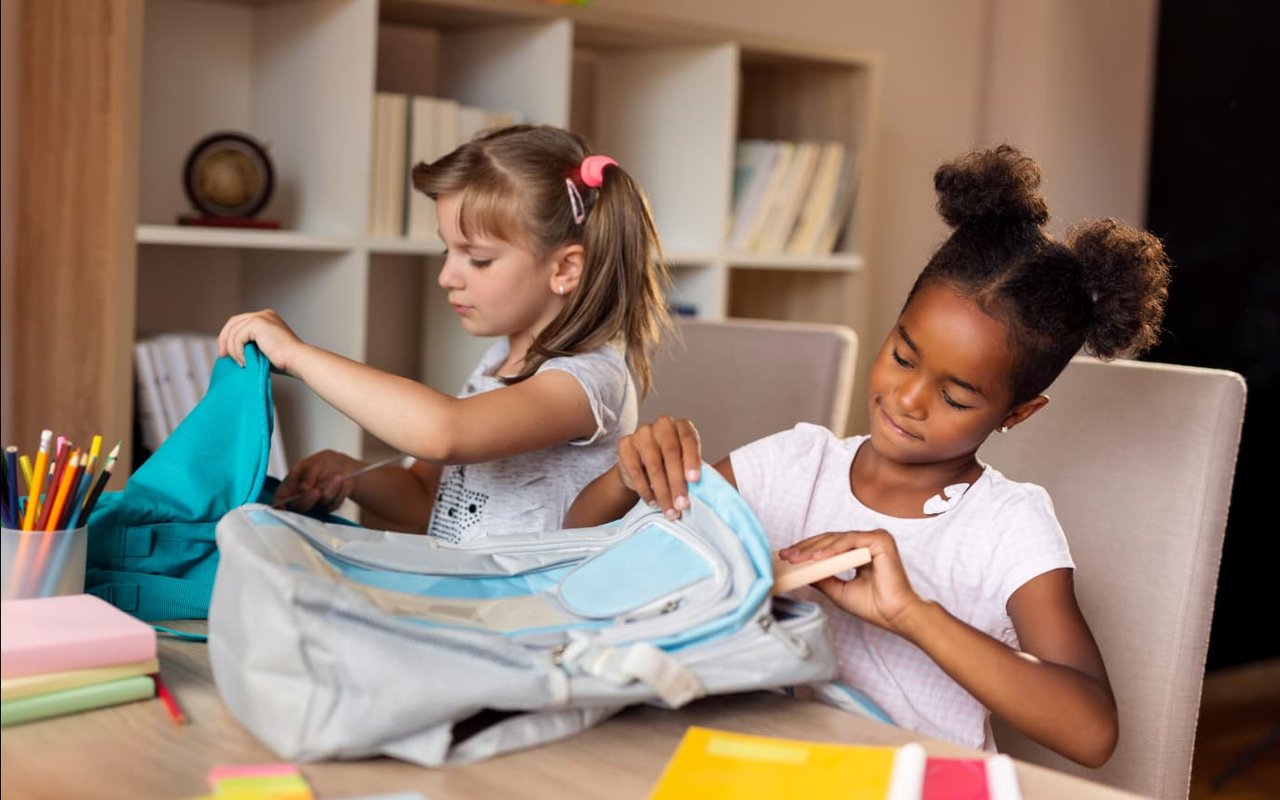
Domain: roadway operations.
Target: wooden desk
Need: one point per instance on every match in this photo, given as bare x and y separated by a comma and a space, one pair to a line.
135, 751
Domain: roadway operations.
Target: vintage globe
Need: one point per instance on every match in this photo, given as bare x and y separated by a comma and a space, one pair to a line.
228, 174
229, 178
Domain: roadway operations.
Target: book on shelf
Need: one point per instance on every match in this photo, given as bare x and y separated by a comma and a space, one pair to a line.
748, 236
153, 421
408, 129
387, 167
752, 166
375, 165
433, 132
820, 198
835, 226
396, 165
164, 372
172, 357
712, 764
784, 206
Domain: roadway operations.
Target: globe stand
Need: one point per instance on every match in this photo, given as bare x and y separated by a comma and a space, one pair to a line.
228, 222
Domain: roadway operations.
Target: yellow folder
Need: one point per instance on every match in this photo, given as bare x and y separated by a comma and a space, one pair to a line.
719, 765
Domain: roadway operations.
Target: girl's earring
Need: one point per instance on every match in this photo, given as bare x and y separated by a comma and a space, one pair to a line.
560, 289
1004, 428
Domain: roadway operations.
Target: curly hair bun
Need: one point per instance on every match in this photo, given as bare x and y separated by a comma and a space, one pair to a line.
1126, 272
997, 185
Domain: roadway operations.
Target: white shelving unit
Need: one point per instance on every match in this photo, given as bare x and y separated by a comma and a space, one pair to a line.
301, 76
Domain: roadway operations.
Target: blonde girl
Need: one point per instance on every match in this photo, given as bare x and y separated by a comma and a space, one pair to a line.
554, 251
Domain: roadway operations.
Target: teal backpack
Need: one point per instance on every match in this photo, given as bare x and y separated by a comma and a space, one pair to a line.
152, 551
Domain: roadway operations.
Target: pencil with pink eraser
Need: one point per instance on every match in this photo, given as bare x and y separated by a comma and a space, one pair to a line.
788, 575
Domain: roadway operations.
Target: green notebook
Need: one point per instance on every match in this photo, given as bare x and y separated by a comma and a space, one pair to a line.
81, 698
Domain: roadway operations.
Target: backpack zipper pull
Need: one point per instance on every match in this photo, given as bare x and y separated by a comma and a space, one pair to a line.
796, 645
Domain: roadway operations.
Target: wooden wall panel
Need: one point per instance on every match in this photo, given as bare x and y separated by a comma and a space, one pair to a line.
76, 198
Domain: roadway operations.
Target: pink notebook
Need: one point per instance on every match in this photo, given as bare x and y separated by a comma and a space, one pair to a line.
78, 631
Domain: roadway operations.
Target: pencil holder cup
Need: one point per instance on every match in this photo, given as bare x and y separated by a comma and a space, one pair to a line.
42, 563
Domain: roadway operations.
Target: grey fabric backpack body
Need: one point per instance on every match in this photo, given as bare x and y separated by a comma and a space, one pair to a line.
336, 642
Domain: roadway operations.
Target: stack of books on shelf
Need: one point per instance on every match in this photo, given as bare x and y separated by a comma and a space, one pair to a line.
792, 198
711, 763
173, 371
408, 129
61, 655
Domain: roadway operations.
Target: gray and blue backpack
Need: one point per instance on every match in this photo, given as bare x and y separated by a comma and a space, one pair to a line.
333, 641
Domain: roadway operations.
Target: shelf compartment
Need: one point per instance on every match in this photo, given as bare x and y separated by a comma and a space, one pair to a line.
242, 238
836, 262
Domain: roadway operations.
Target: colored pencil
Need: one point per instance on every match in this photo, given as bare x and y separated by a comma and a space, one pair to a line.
37, 482
170, 702
51, 488
70, 477
5, 518
82, 491
95, 447
98, 486
25, 461
11, 463
73, 486
36, 575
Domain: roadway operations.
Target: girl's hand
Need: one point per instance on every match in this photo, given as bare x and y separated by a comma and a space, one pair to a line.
880, 593
658, 459
274, 338
318, 481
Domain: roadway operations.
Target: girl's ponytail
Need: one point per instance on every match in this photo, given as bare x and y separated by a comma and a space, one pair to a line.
622, 291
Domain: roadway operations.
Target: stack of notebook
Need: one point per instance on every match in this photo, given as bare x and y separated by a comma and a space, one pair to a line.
60, 655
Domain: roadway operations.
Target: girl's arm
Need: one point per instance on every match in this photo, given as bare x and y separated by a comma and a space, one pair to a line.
654, 464
547, 409
1055, 690
401, 496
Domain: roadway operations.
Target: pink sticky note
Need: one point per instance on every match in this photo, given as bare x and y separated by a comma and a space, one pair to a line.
251, 771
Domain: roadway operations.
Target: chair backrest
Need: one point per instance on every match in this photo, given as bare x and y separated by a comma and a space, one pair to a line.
1139, 460
741, 379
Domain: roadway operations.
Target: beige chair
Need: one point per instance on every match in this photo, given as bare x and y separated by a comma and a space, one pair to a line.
1139, 460
741, 379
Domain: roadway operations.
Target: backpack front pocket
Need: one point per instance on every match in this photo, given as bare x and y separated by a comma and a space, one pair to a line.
650, 570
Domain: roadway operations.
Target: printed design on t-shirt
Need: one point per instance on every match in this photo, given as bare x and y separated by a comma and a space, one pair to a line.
457, 508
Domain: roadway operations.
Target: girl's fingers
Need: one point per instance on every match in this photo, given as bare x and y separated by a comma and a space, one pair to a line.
691, 448
670, 444
631, 470
654, 463
825, 545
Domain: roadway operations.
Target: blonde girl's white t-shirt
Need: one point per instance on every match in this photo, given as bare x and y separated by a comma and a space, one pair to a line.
532, 491
969, 558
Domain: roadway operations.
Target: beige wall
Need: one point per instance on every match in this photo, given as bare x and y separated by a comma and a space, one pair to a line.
1070, 81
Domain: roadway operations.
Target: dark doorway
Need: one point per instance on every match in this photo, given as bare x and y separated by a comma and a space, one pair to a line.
1214, 197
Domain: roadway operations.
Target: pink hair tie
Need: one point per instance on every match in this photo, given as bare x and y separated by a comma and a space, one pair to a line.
592, 170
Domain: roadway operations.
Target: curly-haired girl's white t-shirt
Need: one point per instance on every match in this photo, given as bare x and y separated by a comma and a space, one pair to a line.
969, 558
532, 491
